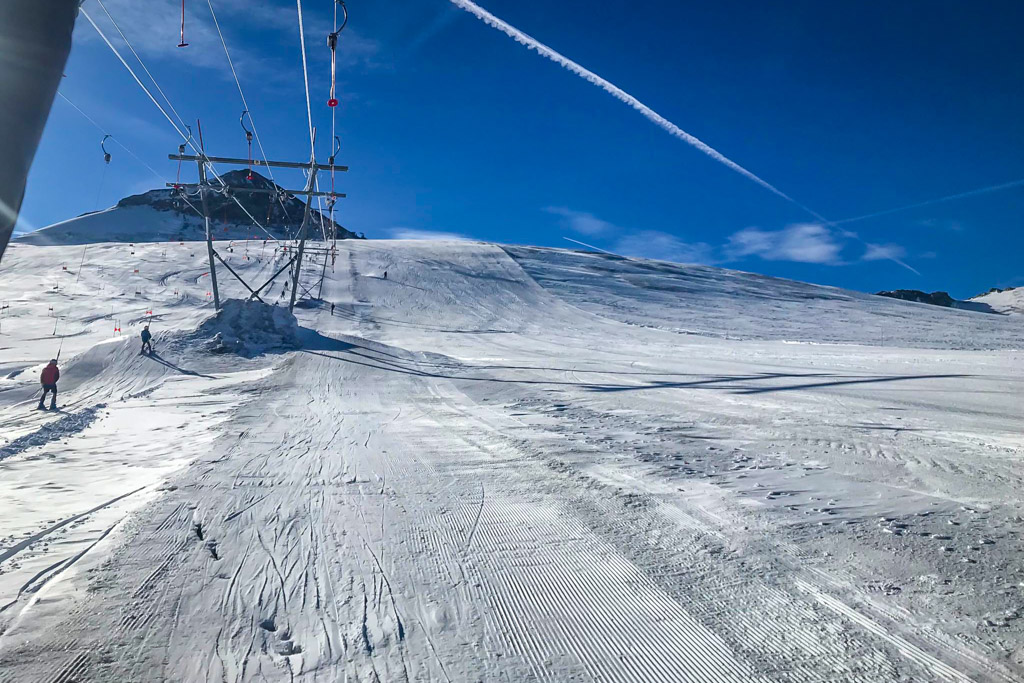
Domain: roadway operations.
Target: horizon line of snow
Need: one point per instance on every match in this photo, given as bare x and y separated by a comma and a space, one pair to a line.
618, 93
591, 246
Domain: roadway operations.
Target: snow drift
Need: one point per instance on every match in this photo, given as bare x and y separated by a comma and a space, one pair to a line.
248, 328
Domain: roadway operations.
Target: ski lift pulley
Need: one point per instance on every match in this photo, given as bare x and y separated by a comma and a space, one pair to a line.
181, 147
337, 148
332, 42
248, 139
181, 152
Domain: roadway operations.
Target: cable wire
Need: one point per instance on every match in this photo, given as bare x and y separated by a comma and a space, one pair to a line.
305, 77
245, 104
116, 141
184, 137
141, 63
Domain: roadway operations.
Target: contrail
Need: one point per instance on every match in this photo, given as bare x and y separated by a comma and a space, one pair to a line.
621, 95
591, 246
940, 200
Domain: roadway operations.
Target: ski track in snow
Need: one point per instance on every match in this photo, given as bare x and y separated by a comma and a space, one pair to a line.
508, 464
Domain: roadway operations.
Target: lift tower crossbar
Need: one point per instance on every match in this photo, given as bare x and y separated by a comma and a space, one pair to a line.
204, 187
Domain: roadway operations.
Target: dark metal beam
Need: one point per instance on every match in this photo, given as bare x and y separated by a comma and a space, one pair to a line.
238, 277
209, 236
256, 162
310, 184
274, 276
258, 190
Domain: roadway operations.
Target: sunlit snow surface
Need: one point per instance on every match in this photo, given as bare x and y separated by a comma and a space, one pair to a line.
502, 464
1009, 301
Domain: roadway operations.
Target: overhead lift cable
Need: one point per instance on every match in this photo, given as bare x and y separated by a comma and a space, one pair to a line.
305, 78
332, 43
112, 138
245, 104
139, 59
156, 84
187, 138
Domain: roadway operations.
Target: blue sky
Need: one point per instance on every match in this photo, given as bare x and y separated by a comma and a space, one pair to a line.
450, 126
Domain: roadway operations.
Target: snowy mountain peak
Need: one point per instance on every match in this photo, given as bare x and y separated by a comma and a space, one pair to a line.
171, 214
1009, 300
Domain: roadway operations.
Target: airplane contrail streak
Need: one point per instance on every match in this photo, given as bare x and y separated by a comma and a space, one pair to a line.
621, 95
618, 93
930, 202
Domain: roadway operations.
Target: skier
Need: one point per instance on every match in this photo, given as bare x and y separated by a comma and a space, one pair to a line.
332, 310
48, 378
146, 344
385, 275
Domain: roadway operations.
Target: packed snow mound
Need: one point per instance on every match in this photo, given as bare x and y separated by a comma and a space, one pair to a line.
1009, 301
249, 328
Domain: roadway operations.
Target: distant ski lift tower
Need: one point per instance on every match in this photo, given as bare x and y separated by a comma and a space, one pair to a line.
35, 39
205, 187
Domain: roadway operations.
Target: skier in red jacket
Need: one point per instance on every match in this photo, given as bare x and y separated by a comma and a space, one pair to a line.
48, 379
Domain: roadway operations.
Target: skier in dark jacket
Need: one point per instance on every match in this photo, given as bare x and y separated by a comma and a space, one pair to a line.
146, 337
48, 378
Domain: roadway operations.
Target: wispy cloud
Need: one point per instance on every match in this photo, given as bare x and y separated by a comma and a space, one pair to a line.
803, 243
582, 222
240, 20
800, 243
652, 244
883, 252
663, 246
138, 19
417, 234
942, 224
888, 252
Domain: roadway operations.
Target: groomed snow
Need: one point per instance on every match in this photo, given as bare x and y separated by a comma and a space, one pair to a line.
502, 464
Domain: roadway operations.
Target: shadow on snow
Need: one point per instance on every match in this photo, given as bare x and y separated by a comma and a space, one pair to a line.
357, 354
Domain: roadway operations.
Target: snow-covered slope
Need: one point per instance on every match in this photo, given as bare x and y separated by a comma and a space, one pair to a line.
125, 224
1008, 301
501, 464
729, 304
